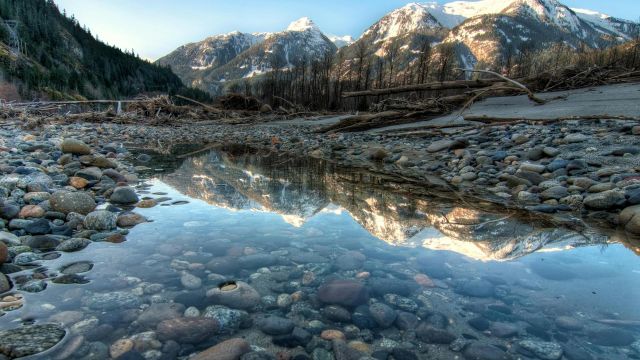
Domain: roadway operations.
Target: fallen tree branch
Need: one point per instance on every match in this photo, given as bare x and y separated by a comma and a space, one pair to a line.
530, 94
445, 85
210, 108
490, 120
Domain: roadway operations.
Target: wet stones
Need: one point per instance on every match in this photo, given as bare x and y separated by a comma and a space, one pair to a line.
4, 253
256, 261
431, 335
124, 195
231, 349
129, 219
75, 147
76, 267
605, 200
336, 313
610, 337
190, 281
479, 323
476, 288
187, 330
157, 313
229, 320
42, 242
352, 260
348, 293
543, 350
630, 219
121, 347
101, 220
480, 351
238, 295
111, 301
5, 284
568, 323
381, 286
73, 244
383, 315
275, 325
72, 202
29, 340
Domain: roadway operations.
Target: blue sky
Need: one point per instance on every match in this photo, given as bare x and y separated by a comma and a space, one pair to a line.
152, 28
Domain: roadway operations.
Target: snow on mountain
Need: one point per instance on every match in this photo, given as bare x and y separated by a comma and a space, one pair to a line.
408, 19
341, 41
483, 30
303, 24
301, 42
623, 28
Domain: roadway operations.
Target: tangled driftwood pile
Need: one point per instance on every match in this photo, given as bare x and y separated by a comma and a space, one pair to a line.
394, 110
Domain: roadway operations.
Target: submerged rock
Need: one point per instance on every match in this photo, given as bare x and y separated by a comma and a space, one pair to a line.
29, 340
186, 330
236, 295
231, 349
343, 292
543, 350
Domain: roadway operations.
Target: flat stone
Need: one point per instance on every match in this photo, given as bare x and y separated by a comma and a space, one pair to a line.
275, 325
432, 335
156, 313
124, 195
68, 202
542, 349
187, 330
479, 351
231, 349
74, 146
382, 314
100, 220
605, 200
343, 292
243, 296
29, 340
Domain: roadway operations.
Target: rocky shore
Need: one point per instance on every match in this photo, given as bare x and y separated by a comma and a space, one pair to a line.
57, 195
67, 187
576, 169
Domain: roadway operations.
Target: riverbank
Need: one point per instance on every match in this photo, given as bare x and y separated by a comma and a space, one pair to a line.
573, 169
125, 310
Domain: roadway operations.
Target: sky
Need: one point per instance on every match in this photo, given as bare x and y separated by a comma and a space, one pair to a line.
153, 28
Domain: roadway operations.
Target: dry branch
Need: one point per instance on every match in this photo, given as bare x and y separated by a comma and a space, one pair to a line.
531, 95
445, 85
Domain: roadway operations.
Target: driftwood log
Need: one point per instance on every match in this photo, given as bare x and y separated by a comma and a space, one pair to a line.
445, 85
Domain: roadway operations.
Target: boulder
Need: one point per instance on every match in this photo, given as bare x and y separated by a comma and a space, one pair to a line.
67, 202
343, 292
74, 146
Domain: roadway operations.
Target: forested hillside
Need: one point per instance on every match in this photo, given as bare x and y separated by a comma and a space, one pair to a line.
57, 58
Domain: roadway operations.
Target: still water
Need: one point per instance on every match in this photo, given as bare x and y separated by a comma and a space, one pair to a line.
399, 272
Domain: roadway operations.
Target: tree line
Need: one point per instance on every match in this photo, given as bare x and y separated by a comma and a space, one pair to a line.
61, 59
319, 84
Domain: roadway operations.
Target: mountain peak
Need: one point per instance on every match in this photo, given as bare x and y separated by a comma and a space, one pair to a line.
303, 24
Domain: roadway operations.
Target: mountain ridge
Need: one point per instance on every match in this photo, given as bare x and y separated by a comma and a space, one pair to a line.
481, 32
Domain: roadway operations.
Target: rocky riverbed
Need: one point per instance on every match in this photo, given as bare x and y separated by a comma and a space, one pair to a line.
308, 294
580, 170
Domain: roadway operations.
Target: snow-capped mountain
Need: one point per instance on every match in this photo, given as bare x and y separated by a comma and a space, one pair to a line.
212, 52
341, 41
486, 30
223, 58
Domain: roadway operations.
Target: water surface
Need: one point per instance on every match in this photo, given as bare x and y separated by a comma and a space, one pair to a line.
485, 277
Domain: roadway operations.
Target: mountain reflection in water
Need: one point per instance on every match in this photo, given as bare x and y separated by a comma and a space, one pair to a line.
298, 189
